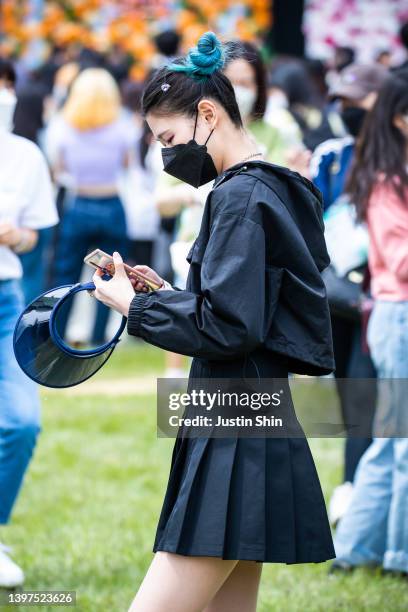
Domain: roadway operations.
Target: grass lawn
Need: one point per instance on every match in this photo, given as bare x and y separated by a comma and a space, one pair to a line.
87, 514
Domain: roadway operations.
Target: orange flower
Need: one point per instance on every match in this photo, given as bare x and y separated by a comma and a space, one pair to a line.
138, 72
185, 19
71, 22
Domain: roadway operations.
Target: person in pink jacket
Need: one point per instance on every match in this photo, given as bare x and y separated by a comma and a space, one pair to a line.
387, 217
374, 529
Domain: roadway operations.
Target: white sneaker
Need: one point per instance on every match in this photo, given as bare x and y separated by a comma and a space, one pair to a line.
339, 502
11, 575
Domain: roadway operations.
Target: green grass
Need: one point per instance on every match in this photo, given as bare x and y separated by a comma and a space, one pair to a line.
134, 358
87, 514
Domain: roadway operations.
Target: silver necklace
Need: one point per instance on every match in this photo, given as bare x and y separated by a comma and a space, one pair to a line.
252, 155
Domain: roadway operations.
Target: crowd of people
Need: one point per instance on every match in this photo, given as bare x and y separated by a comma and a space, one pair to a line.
80, 170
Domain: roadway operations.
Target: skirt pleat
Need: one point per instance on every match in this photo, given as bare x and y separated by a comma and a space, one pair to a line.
280, 507
244, 498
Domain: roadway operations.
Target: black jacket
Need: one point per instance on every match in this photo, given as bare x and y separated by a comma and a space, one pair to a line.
255, 276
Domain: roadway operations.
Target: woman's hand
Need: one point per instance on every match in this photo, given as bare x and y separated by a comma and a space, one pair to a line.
139, 285
10, 235
20, 239
118, 292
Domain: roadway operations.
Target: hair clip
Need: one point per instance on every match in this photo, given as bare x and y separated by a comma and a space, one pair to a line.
165, 86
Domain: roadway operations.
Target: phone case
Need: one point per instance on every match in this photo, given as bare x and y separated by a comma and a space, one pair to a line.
103, 261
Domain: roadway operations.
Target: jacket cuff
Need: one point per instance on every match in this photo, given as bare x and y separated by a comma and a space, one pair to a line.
136, 308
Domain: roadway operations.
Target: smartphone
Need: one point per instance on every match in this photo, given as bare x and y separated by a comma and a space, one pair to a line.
103, 261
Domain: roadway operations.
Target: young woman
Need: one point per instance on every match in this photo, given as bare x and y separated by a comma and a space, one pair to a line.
247, 74
254, 305
374, 529
93, 143
355, 91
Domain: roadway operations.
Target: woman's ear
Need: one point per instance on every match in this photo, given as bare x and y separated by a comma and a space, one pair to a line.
208, 109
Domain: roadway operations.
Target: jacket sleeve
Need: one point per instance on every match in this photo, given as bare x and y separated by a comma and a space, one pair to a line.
227, 318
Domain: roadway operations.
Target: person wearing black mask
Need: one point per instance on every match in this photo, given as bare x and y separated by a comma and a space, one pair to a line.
190, 162
352, 116
355, 91
254, 305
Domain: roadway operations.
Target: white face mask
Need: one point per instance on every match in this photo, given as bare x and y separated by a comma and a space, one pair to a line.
8, 103
245, 99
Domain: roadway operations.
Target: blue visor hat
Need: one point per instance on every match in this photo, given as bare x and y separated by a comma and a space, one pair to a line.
42, 353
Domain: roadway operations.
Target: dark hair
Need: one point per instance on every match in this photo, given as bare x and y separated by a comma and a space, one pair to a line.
144, 143
250, 53
167, 42
191, 78
131, 95
404, 34
7, 71
317, 70
381, 146
343, 57
292, 77
90, 58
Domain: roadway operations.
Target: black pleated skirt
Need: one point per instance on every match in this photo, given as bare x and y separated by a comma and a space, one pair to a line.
244, 498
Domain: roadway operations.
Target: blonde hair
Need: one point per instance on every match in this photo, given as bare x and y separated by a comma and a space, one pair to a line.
93, 101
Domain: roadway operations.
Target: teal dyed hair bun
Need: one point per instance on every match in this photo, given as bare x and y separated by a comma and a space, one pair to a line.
207, 56
204, 59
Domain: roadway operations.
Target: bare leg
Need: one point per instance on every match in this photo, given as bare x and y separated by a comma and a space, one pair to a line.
178, 583
174, 364
240, 589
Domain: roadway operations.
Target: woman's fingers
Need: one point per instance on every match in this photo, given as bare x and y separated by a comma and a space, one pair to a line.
98, 281
143, 269
140, 286
151, 274
137, 284
118, 262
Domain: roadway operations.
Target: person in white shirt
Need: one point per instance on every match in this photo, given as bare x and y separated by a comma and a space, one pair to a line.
26, 205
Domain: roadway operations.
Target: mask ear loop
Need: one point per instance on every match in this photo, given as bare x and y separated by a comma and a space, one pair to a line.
209, 136
195, 125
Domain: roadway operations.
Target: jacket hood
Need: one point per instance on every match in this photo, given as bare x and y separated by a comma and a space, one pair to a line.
301, 197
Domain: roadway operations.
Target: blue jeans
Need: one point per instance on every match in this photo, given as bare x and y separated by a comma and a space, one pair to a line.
88, 223
35, 264
19, 404
374, 530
